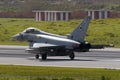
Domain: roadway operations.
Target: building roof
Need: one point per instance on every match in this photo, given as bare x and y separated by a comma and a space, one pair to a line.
49, 11
98, 10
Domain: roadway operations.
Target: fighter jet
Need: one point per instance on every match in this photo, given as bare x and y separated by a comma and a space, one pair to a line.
43, 43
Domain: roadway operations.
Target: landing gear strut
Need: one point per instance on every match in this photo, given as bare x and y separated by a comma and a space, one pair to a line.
72, 55
44, 56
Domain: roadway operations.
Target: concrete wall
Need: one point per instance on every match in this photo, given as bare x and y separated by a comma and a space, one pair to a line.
82, 14
74, 15
99, 14
52, 15
78, 14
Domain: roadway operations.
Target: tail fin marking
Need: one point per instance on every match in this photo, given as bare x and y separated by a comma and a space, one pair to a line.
80, 32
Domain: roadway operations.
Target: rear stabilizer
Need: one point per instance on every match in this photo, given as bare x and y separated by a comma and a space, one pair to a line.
80, 32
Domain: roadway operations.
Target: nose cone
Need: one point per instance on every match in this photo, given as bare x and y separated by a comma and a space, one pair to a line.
18, 37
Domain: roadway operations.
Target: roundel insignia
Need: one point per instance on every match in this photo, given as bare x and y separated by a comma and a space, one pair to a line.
80, 27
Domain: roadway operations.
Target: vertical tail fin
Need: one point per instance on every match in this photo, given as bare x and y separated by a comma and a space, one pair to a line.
80, 32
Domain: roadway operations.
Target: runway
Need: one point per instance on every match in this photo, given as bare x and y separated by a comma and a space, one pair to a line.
101, 58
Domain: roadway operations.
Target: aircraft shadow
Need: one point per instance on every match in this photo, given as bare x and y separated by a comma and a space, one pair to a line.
56, 60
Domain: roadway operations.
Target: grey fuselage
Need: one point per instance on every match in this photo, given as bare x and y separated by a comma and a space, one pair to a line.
40, 38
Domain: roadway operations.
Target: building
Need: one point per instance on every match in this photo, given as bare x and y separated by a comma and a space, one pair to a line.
52, 15
99, 14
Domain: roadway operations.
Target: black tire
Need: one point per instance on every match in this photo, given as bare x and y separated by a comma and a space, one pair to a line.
44, 56
72, 56
37, 56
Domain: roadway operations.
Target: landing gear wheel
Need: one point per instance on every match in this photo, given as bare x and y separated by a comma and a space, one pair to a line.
37, 56
72, 55
44, 56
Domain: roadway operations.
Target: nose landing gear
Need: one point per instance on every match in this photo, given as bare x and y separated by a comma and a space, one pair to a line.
72, 55
37, 56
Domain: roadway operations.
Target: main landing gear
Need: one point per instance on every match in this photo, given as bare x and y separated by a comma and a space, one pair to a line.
43, 56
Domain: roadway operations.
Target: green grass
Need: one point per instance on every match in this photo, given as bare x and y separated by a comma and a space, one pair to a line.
104, 31
10, 72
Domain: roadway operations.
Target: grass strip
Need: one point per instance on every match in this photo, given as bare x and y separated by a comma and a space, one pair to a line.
12, 72
103, 31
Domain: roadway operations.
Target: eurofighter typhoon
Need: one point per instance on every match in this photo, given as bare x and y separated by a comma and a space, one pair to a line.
43, 43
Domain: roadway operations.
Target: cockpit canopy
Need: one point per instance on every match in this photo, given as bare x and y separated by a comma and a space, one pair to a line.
32, 30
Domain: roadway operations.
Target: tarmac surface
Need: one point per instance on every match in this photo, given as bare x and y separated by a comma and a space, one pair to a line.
96, 58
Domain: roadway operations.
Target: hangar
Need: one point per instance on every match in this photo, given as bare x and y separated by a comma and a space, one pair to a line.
51, 15
99, 14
